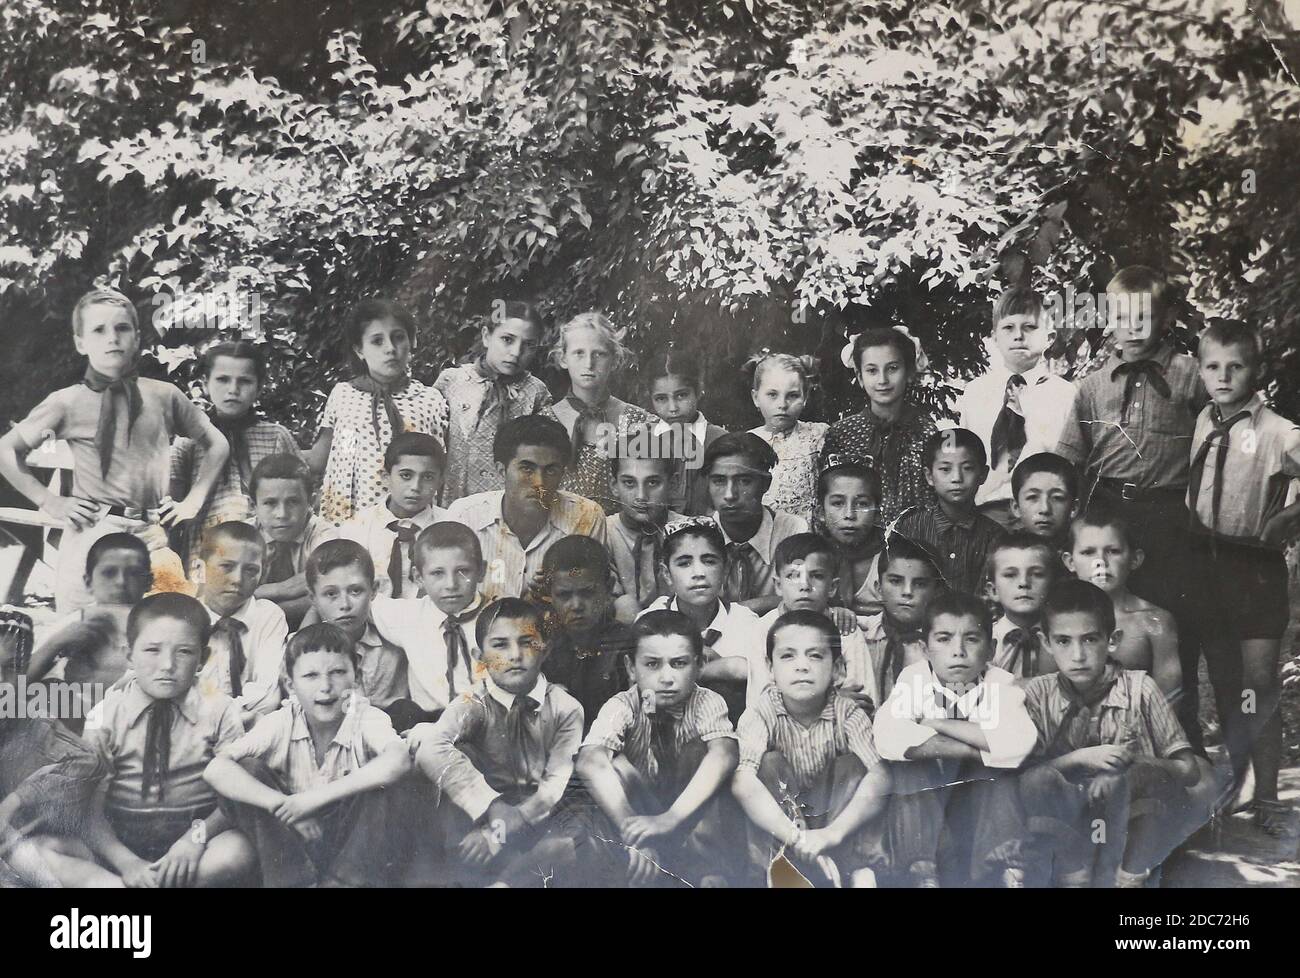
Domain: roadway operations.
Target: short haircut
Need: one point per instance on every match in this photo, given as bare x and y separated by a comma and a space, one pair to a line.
676, 363
666, 624
800, 546
807, 619
230, 530
1050, 463
280, 466
961, 605
849, 470
1102, 517
333, 554
504, 309
951, 439
1233, 332
103, 297
884, 336
321, 637
598, 323
512, 609
577, 553
115, 541
709, 532
640, 444
413, 443
447, 535
532, 429
745, 444
236, 350
1021, 540
899, 547
1017, 301
1071, 595
369, 311
1140, 280
169, 604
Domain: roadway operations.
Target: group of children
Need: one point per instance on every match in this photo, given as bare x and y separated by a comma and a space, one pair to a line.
474, 637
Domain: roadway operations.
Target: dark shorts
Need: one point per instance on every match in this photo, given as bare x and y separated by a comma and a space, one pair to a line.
149, 833
1244, 590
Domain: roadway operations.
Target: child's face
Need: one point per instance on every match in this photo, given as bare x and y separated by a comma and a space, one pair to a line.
956, 475
323, 683
341, 596
107, 339
533, 477
958, 648
412, 483
233, 386
385, 348
283, 506
1227, 374
848, 510
641, 488
120, 577
513, 652
802, 664
510, 347
806, 584
450, 577
667, 666
1103, 557
1021, 339
736, 487
1021, 579
1044, 505
1079, 645
580, 598
166, 656
883, 375
906, 589
588, 358
695, 572
780, 397
231, 573
674, 399
1138, 332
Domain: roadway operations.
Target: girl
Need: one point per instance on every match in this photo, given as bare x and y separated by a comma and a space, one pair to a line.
591, 350
888, 433
362, 414
782, 387
675, 392
485, 394
845, 514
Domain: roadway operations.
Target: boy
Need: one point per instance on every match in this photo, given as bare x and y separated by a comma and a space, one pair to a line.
155, 821
248, 632
233, 376
281, 490
413, 464
1102, 552
1016, 408
1021, 569
956, 726
1109, 748
950, 526
640, 487
809, 776
307, 782
501, 757
909, 581
848, 499
1045, 498
120, 428
518, 524
738, 467
658, 756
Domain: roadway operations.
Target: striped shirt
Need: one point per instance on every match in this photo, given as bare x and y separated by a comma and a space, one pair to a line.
842, 728
623, 725
961, 546
855, 653
741, 634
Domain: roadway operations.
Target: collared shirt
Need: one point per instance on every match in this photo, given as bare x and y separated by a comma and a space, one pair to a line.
590, 674
511, 566
1002, 656
741, 634
370, 529
1150, 447
623, 725
479, 723
1263, 457
794, 479
842, 728
634, 578
315, 532
961, 547
854, 653
201, 726
1044, 404
688, 490
383, 668
1133, 712
761, 556
875, 672
995, 704
263, 643
283, 742
415, 625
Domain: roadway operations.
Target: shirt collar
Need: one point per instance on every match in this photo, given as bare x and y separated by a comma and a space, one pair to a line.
472, 609
720, 619
1251, 407
538, 692
244, 613
135, 701
382, 515
696, 427
1163, 355
762, 538
344, 735
778, 702
944, 522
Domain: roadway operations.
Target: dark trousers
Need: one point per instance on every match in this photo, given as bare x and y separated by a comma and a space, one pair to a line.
405, 714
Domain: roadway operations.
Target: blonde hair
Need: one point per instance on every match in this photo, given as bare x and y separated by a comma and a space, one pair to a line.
599, 323
805, 368
103, 297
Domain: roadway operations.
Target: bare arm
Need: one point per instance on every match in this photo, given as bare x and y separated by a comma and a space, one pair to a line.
233, 782
15, 445
319, 453
595, 766
386, 769
719, 761
1166, 670
763, 810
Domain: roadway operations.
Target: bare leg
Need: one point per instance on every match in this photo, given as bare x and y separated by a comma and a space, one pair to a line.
228, 860
1260, 677
56, 861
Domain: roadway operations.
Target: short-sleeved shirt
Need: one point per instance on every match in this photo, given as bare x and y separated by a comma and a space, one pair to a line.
761, 556
639, 578
354, 475
384, 668
794, 478
740, 634
960, 546
263, 644
842, 728
893, 449
282, 741
140, 472
370, 529
623, 725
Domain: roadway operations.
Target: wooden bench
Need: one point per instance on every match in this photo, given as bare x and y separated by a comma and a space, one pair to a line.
17, 558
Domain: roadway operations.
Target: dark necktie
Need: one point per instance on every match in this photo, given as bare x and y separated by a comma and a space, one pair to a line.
654, 538
496, 397
1220, 435
586, 415
233, 629
1020, 652
236, 433
109, 391
280, 565
663, 744
710, 637
157, 748
453, 640
740, 573
896, 640
519, 738
1080, 726
382, 393
405, 536
1133, 372
1009, 429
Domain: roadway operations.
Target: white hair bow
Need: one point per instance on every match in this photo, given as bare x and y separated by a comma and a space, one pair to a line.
922, 361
